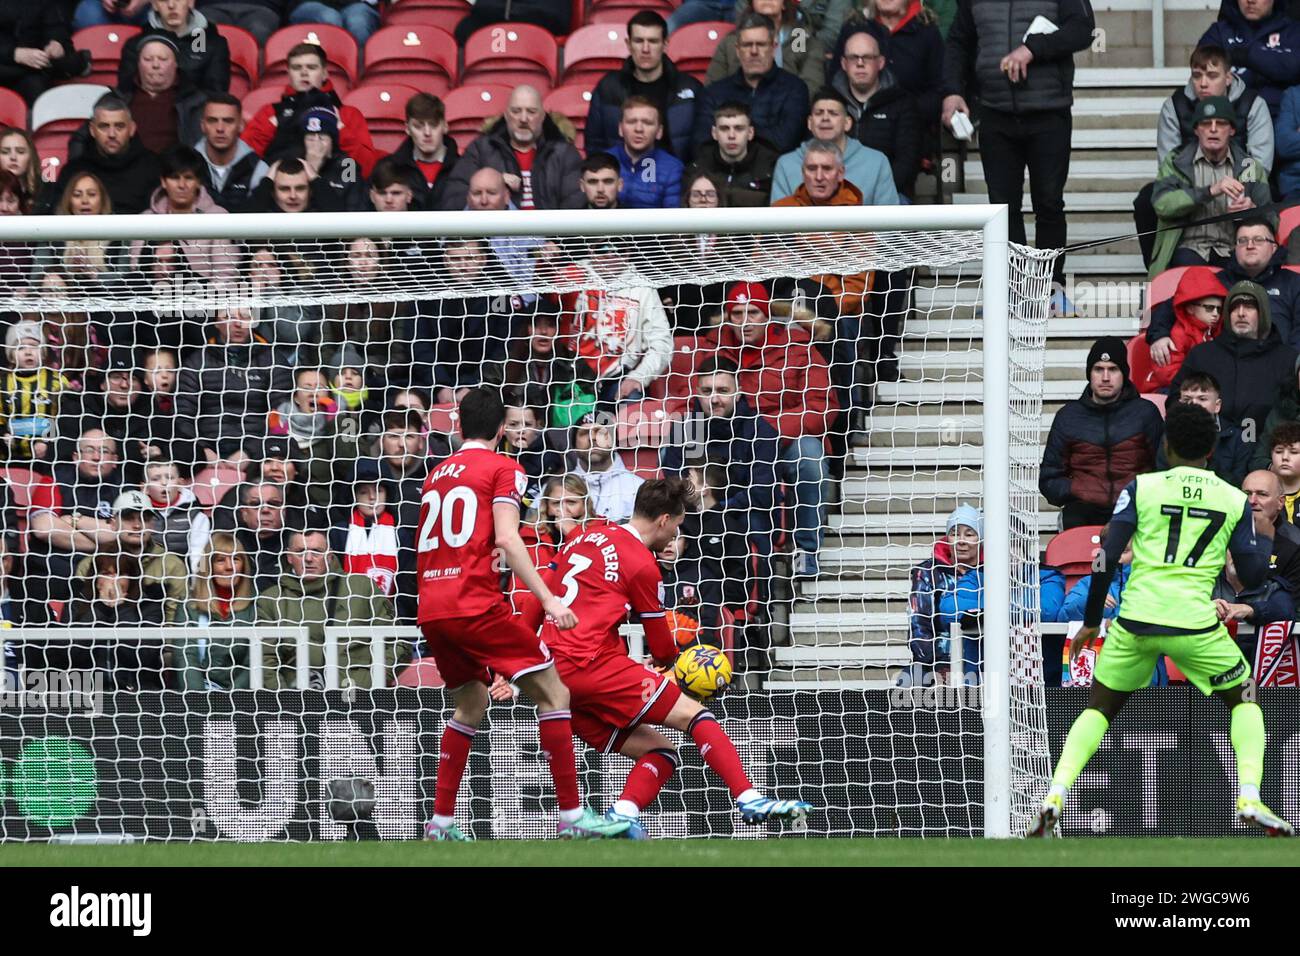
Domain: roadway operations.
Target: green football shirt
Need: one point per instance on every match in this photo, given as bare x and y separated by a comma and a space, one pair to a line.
1184, 519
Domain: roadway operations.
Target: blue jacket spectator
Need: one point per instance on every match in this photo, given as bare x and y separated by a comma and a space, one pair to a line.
777, 99
866, 168
1286, 144
652, 181
1265, 49
946, 589
1051, 592
1077, 599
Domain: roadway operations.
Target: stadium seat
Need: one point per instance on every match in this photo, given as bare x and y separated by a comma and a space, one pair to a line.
212, 484
468, 106
1139, 360
1071, 552
1286, 221
21, 481
13, 109
1158, 400
262, 96
687, 357
691, 48
384, 108
338, 44
643, 461
572, 102
512, 54
620, 11
421, 57
443, 14
442, 419
647, 423
421, 673
1164, 285
1292, 268
593, 51
56, 115
104, 44
244, 54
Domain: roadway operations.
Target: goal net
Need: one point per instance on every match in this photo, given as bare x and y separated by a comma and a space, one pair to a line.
215, 433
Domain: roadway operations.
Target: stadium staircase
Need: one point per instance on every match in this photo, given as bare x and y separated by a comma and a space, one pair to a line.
849, 627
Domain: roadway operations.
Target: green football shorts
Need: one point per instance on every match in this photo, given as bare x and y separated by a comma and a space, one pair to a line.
1212, 661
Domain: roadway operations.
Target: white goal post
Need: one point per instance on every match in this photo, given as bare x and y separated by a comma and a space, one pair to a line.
1013, 287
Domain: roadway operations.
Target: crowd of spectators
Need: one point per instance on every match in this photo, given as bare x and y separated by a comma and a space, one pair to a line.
264, 464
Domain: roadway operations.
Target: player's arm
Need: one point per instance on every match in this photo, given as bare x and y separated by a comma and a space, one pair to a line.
1119, 531
505, 519
530, 608
646, 599
1251, 547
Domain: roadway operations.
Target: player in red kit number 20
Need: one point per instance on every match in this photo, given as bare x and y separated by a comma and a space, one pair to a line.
469, 507
607, 570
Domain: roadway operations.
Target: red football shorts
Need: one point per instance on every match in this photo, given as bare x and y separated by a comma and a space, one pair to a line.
612, 694
473, 648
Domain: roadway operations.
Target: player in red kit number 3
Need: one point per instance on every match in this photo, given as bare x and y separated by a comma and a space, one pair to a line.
607, 571
470, 506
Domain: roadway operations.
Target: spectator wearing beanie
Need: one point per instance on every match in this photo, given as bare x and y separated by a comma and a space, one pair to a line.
1249, 360
1100, 441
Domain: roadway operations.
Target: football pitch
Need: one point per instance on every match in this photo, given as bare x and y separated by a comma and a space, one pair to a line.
768, 853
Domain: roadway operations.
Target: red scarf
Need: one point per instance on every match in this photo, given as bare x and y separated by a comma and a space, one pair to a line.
221, 600
371, 549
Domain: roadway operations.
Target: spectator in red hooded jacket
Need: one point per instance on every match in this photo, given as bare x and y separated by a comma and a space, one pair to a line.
275, 132
1198, 317
786, 378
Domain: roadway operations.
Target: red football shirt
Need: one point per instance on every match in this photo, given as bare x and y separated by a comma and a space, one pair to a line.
457, 534
525, 158
603, 573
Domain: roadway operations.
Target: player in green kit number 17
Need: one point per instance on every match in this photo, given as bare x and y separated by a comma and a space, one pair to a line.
1182, 523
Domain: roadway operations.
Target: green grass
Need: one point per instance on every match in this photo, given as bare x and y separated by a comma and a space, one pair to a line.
787, 852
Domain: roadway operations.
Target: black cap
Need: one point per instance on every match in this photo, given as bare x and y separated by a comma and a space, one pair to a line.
121, 359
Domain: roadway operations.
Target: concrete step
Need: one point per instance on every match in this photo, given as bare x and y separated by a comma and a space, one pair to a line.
882, 589
1110, 302
853, 559
844, 656
844, 678
1132, 78
966, 392
936, 361
1087, 175
958, 324
1125, 265
1108, 138
907, 459
1075, 202
890, 525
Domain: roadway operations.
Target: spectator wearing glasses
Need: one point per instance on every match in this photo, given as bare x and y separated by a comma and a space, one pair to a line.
1256, 257
1198, 317
258, 524
799, 50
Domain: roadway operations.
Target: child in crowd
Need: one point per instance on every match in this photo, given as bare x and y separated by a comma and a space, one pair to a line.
525, 441
308, 420
29, 404
1285, 445
179, 522
367, 544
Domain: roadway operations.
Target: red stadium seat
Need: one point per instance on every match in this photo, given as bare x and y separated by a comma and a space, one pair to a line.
13, 109
421, 673
442, 419
443, 14
384, 108
104, 44
1072, 552
1139, 360
1158, 400
511, 53
244, 53
56, 115
468, 106
648, 423
339, 46
262, 96
1164, 285
572, 102
593, 51
620, 11
212, 484
691, 48
418, 56
643, 461
1287, 221
21, 482
688, 355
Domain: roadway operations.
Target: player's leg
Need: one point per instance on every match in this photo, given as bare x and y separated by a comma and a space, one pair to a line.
1124, 664
471, 702
555, 732
687, 714
655, 760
